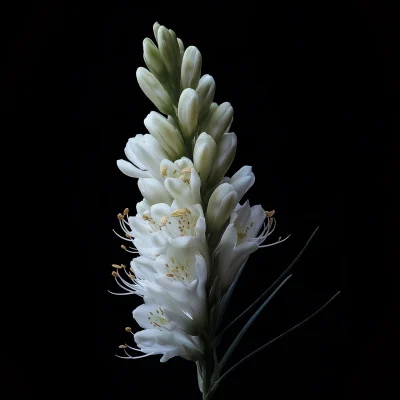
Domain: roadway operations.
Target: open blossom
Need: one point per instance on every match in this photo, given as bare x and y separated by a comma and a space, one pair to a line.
190, 236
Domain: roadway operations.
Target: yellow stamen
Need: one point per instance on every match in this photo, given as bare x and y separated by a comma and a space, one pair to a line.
128, 235
170, 275
122, 346
128, 329
114, 274
164, 220
180, 212
126, 211
164, 170
117, 266
187, 170
269, 214
123, 247
120, 216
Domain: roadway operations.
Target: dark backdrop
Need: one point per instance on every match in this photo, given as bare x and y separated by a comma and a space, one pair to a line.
314, 90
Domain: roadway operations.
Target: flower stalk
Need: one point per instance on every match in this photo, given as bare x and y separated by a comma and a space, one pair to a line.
191, 236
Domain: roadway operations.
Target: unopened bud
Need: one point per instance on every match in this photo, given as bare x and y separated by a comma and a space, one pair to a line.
167, 136
153, 89
205, 151
220, 206
206, 90
154, 61
188, 112
220, 121
191, 68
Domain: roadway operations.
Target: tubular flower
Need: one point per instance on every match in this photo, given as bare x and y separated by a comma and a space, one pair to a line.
190, 236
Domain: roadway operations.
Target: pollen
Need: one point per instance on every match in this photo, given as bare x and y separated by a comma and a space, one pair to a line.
122, 346
164, 170
120, 216
170, 275
164, 220
126, 211
180, 212
269, 214
187, 170
128, 329
114, 274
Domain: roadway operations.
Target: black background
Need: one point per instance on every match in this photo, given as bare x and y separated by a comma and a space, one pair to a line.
314, 91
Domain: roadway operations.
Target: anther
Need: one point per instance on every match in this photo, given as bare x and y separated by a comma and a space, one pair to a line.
120, 216
123, 247
164, 220
117, 266
128, 329
123, 266
122, 346
164, 170
187, 170
170, 275
114, 274
269, 214
180, 212
128, 235
126, 211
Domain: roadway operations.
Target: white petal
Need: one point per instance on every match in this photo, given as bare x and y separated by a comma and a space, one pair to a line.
130, 170
154, 191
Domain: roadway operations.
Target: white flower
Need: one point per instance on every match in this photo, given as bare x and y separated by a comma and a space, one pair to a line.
242, 237
153, 229
154, 191
169, 343
182, 181
186, 259
145, 154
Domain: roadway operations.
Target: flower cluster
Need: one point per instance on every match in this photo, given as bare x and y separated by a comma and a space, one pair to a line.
190, 233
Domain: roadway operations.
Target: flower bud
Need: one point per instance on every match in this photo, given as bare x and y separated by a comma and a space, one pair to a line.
220, 206
188, 112
206, 90
220, 121
154, 191
167, 136
153, 60
181, 47
226, 151
203, 126
156, 26
153, 89
242, 181
191, 68
204, 155
169, 49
